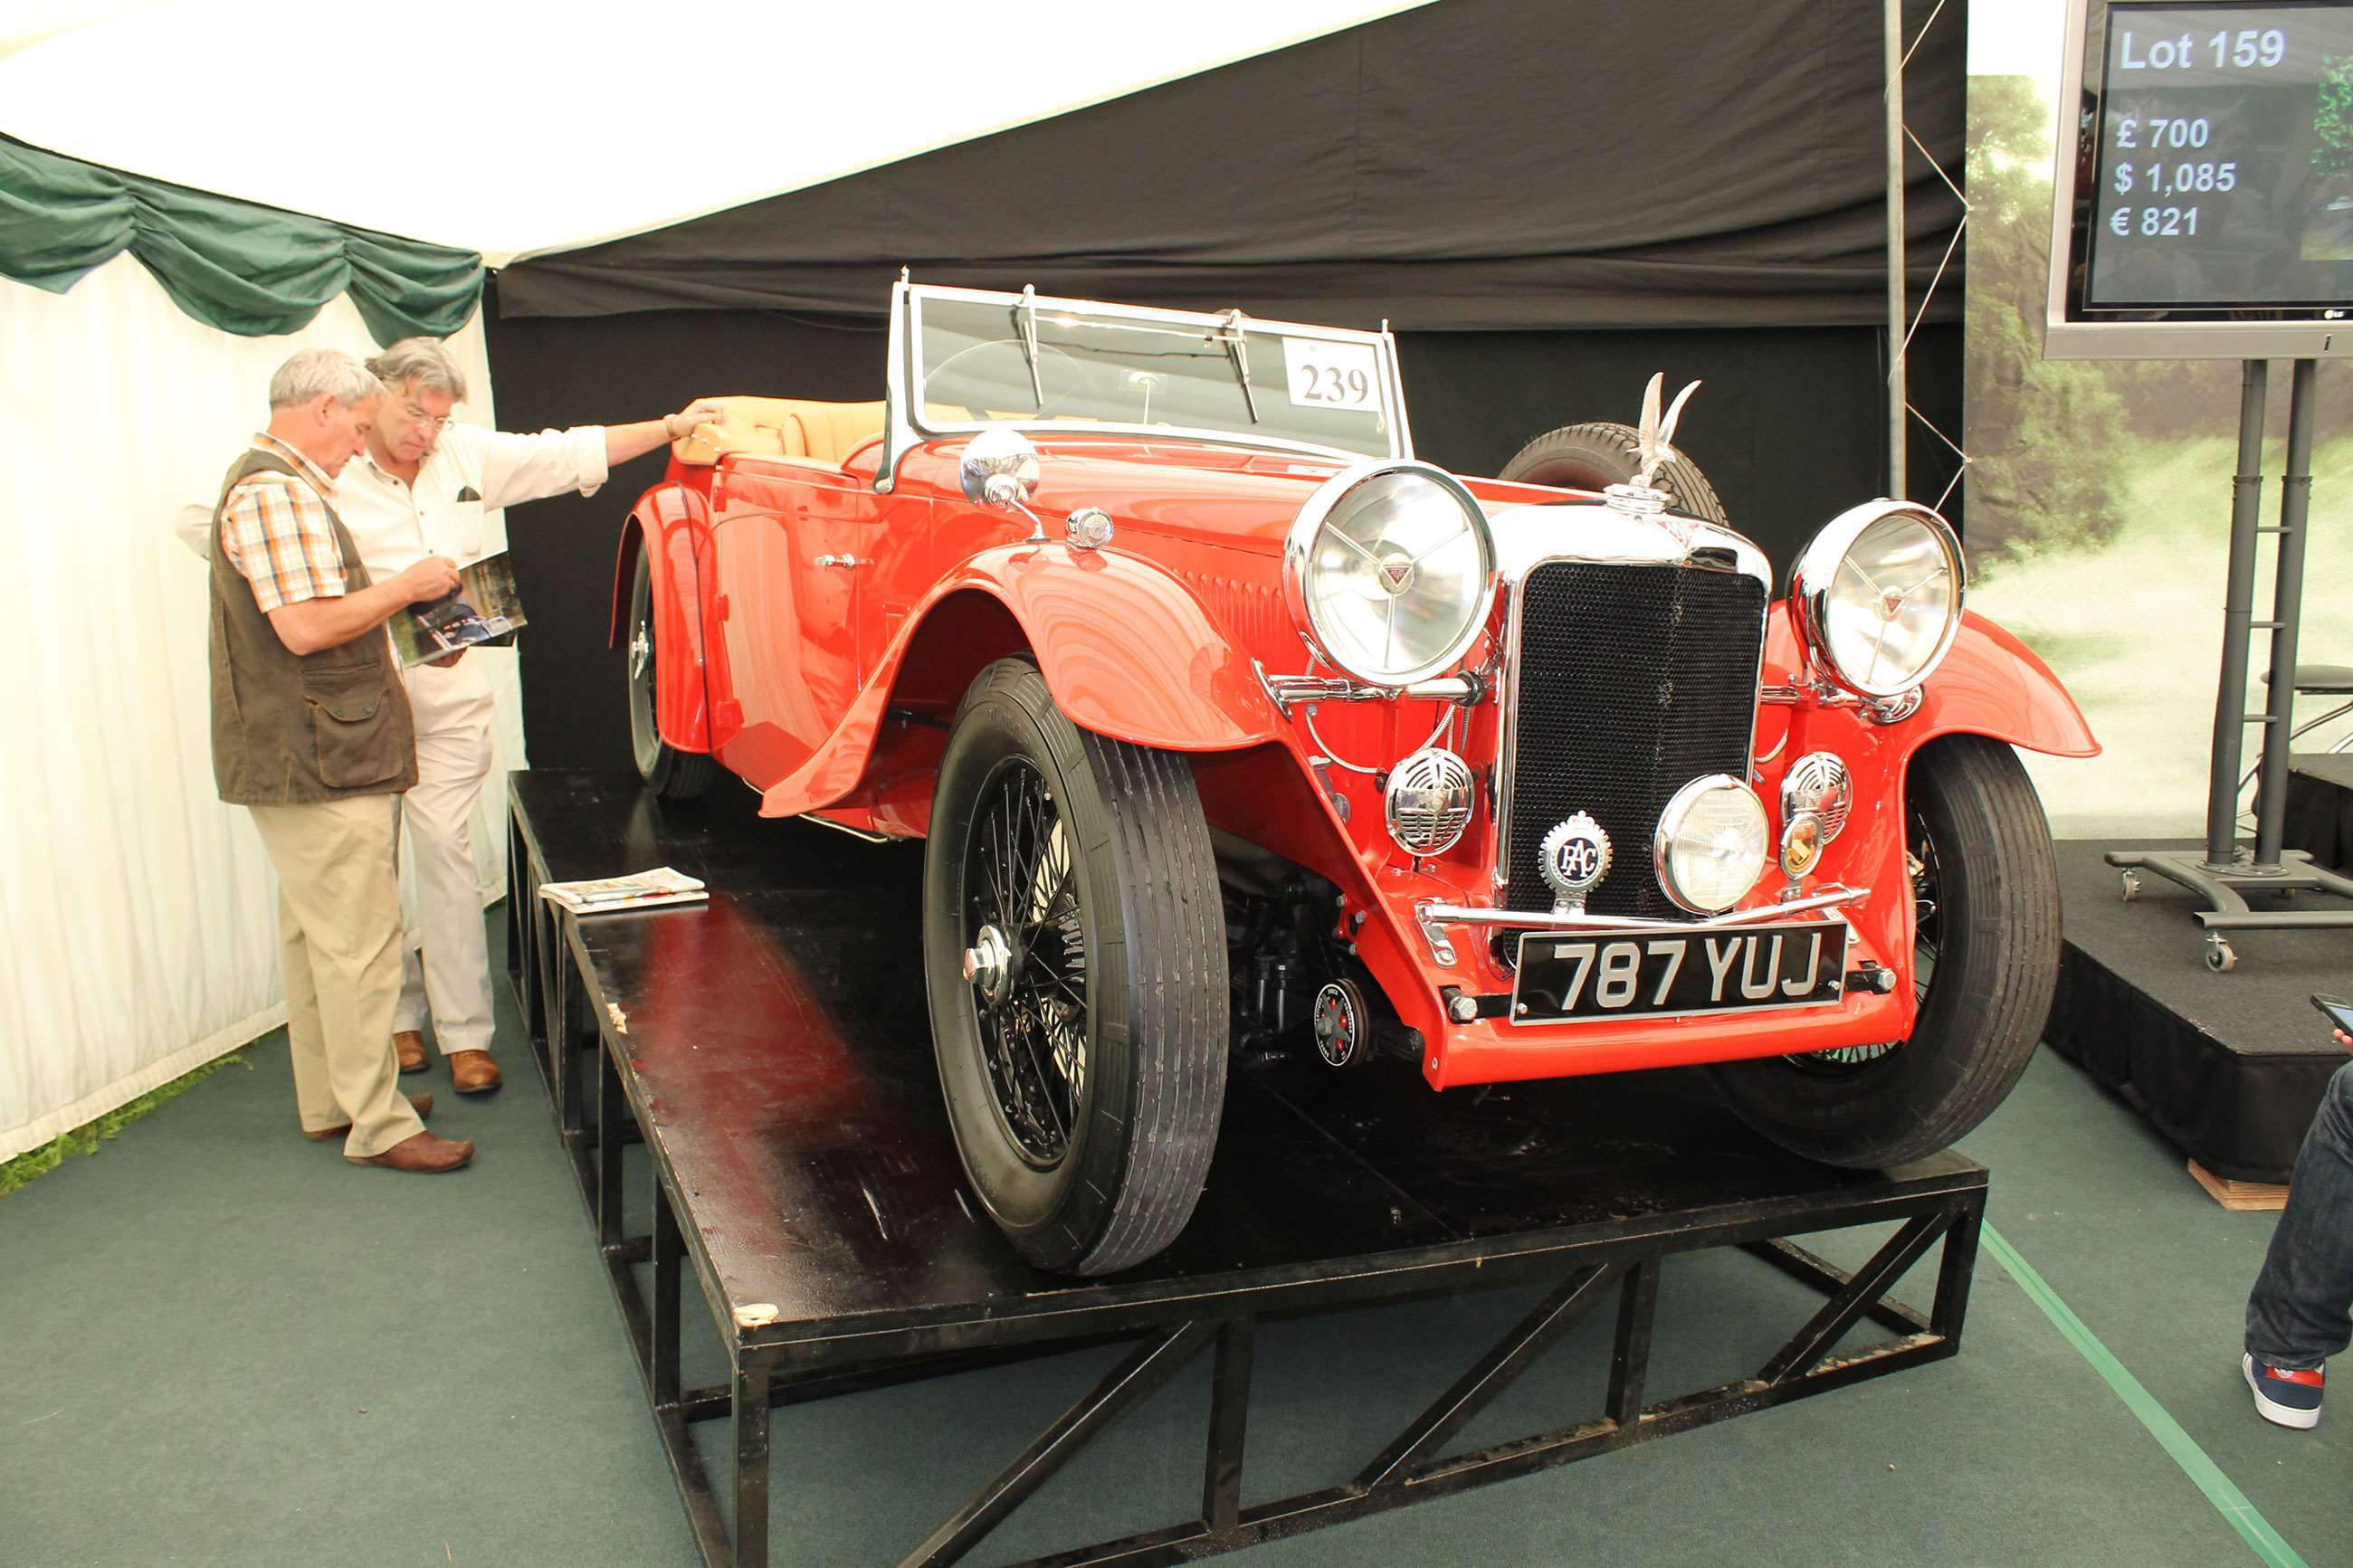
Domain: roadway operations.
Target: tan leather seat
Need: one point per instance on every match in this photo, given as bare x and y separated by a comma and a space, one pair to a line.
794, 428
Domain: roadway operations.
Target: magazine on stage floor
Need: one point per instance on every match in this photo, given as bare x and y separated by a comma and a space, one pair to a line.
639, 890
484, 608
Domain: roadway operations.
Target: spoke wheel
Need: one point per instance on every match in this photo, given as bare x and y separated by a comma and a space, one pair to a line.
1986, 900
1075, 961
1028, 958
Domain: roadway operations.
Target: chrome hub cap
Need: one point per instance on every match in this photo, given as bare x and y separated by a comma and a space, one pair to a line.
641, 652
987, 963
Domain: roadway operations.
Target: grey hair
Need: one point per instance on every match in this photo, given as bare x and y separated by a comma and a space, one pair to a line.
315, 373
424, 360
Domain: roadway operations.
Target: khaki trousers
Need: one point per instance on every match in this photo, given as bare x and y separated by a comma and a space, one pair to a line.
451, 976
339, 935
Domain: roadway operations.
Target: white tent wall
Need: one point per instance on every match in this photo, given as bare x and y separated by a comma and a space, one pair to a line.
141, 912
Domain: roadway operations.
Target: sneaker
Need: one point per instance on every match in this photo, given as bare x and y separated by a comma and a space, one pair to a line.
2283, 1398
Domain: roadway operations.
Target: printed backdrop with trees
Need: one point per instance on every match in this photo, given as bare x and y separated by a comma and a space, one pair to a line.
2099, 498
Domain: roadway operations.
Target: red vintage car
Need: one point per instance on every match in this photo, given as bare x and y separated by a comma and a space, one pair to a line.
1229, 724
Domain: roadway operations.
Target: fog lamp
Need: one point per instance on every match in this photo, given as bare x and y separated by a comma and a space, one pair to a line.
1710, 843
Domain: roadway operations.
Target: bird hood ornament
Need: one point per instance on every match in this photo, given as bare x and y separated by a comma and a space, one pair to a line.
1653, 448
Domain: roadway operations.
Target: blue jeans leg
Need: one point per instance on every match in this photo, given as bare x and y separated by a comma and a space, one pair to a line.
2297, 1315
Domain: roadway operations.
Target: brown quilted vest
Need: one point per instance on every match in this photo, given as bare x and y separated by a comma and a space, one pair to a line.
298, 728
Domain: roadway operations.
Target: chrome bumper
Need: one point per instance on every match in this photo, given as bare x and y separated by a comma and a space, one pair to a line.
1435, 917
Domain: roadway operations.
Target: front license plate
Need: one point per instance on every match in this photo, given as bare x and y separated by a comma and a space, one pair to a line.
1640, 973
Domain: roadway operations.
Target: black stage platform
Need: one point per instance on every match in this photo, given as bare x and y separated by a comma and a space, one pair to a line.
2229, 1067
2318, 818
770, 1050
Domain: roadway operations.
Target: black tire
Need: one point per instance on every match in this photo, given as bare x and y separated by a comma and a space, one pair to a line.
672, 774
1989, 896
1085, 1093
1595, 457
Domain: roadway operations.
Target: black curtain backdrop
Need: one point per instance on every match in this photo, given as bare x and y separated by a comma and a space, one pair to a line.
1790, 428
1548, 199
1491, 165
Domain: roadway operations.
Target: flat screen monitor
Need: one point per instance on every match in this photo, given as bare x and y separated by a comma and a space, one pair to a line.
2203, 192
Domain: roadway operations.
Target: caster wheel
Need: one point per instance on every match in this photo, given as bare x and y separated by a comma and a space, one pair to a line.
2132, 886
2221, 956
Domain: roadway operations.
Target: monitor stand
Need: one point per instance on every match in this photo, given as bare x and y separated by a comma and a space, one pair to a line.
2225, 869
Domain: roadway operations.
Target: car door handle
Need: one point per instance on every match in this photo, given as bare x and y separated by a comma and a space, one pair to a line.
845, 562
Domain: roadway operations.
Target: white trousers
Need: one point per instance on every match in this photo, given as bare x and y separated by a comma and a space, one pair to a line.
451, 978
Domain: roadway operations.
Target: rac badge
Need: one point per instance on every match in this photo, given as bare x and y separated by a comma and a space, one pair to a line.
1574, 858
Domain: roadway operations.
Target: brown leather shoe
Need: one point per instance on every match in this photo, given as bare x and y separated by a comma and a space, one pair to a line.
473, 1073
421, 1103
410, 1046
420, 1151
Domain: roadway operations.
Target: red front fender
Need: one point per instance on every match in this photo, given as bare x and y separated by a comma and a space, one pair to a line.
1992, 684
1989, 684
1126, 650
1124, 646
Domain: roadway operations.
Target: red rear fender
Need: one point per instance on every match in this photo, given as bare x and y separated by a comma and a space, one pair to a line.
670, 528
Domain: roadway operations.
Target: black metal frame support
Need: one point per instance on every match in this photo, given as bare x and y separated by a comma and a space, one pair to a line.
572, 1032
2223, 872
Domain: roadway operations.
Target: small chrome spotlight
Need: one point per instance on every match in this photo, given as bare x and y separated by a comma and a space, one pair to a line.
1801, 846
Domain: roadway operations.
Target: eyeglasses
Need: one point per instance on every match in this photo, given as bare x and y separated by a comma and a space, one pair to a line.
417, 414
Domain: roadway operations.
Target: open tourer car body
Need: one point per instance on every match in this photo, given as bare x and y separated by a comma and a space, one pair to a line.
1233, 726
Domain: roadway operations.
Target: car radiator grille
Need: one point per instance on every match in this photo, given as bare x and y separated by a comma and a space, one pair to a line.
1632, 680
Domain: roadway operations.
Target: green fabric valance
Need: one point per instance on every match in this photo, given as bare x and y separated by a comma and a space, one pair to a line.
254, 270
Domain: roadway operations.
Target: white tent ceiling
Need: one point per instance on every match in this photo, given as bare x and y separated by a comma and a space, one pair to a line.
509, 127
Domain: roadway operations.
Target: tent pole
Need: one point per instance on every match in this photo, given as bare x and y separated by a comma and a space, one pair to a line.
1897, 378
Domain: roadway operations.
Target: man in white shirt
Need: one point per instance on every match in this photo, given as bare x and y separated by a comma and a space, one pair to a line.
425, 486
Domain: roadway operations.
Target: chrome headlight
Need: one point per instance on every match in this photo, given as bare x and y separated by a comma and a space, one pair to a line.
1710, 848
1390, 568
1877, 597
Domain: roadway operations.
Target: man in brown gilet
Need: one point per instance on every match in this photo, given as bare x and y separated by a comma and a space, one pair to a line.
312, 734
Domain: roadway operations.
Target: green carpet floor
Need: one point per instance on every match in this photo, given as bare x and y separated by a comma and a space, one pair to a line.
220, 1343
